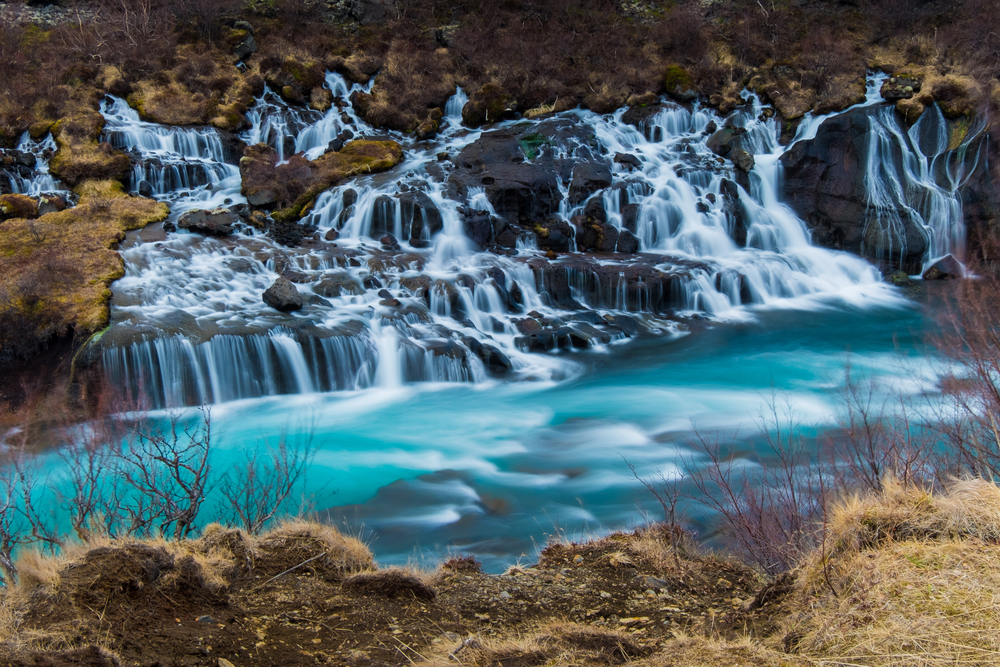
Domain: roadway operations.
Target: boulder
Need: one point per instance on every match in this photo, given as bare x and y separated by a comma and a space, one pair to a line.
899, 88
283, 296
479, 226
519, 175
489, 104
588, 178
945, 268
554, 234
743, 160
627, 242
724, 141
214, 222
628, 161
594, 235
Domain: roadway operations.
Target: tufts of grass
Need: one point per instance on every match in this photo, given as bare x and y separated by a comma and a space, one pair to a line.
911, 579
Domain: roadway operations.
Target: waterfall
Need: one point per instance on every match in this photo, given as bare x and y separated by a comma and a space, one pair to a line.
918, 174
189, 325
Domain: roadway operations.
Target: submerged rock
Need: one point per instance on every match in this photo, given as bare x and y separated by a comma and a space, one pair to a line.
945, 268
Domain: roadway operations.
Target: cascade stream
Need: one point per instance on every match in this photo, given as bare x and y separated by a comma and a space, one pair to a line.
189, 326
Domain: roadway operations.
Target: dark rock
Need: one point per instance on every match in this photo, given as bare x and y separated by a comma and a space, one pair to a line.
144, 189
630, 217
743, 160
489, 104
629, 161
588, 178
899, 278
521, 190
283, 296
516, 295
724, 141
628, 326
595, 235
350, 197
554, 234
627, 242
421, 218
595, 211
371, 282
338, 284
245, 48
899, 88
945, 268
216, 222
389, 241
331, 235
734, 212
240, 265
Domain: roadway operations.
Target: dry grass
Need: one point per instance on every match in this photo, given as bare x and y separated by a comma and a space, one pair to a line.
913, 579
294, 542
202, 88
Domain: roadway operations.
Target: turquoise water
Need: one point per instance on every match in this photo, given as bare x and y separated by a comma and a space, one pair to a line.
497, 469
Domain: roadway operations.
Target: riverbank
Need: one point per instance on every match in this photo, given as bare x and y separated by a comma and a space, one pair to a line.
900, 580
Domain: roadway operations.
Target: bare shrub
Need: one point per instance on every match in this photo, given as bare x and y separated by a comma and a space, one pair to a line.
167, 472
771, 509
260, 490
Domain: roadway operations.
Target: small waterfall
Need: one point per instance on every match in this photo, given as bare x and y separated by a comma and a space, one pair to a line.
34, 180
913, 178
191, 167
453, 108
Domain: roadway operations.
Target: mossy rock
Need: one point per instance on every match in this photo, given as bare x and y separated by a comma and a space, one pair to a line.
679, 83
489, 104
80, 157
18, 206
356, 157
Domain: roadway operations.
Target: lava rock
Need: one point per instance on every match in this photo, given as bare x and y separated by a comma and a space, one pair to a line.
628, 161
825, 184
627, 242
283, 296
588, 178
214, 222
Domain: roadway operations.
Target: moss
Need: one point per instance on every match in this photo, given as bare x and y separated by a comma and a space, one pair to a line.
532, 144
18, 206
79, 156
356, 157
677, 79
59, 267
957, 132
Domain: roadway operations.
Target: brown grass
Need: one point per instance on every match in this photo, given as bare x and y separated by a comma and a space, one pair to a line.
912, 580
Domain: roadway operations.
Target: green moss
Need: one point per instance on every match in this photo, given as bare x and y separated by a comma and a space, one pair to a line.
676, 78
532, 144
356, 157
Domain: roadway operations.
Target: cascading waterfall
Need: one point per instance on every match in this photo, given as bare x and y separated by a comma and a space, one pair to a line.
189, 325
913, 177
173, 161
